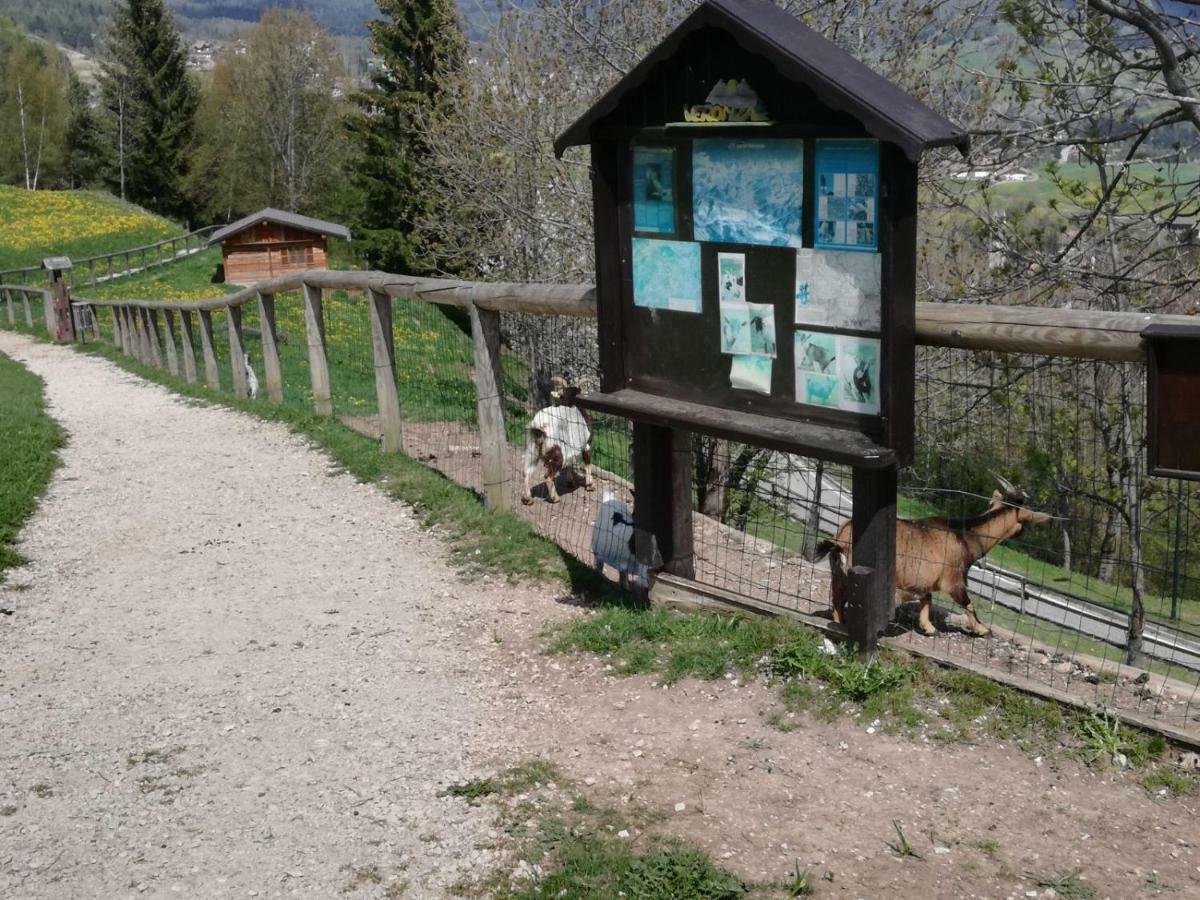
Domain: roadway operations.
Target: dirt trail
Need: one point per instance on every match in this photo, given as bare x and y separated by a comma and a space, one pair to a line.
229, 673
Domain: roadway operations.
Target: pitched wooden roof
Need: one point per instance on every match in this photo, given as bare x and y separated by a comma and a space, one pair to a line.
802, 55
279, 217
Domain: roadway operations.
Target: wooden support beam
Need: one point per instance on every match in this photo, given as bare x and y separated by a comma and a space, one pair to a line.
143, 322
168, 336
48, 314
8, 304
237, 354
212, 374
152, 332
489, 402
872, 578
318, 364
28, 308
383, 346
129, 321
272, 371
116, 327
662, 510
188, 346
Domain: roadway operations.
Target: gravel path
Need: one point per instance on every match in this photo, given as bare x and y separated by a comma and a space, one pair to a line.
228, 671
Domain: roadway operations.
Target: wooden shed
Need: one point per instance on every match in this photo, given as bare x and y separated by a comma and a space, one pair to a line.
273, 242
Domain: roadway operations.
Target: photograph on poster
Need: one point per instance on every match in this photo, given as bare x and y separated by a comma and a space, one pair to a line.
816, 369
858, 368
751, 373
666, 275
731, 272
848, 194
762, 329
838, 289
654, 189
735, 328
748, 192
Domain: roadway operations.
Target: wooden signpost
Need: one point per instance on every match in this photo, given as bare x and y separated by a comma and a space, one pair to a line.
755, 203
59, 323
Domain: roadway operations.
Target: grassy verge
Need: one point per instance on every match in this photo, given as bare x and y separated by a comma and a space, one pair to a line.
567, 846
29, 441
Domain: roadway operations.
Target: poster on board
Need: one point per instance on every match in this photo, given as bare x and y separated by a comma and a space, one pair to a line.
731, 274
654, 189
751, 373
748, 192
846, 211
666, 275
748, 329
816, 369
858, 368
838, 289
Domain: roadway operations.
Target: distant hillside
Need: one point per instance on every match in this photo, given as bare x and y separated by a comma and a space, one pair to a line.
37, 224
76, 23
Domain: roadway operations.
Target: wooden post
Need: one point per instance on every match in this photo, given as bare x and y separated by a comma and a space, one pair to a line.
237, 353
49, 301
384, 346
116, 327
140, 349
92, 271
318, 365
150, 320
128, 264
129, 323
168, 337
662, 483
489, 401
8, 303
872, 596
211, 375
186, 344
272, 371
28, 308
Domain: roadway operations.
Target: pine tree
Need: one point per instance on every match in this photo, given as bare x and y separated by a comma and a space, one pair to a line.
150, 101
84, 150
420, 44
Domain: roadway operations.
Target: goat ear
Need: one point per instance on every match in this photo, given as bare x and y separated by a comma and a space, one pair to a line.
1032, 517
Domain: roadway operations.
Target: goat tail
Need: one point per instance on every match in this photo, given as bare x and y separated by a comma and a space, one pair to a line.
825, 548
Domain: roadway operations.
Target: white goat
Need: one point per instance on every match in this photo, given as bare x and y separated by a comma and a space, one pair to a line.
612, 542
558, 438
251, 379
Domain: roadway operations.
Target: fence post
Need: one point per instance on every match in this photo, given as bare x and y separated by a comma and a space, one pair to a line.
873, 523
8, 304
128, 263
383, 344
28, 308
318, 364
237, 353
131, 332
116, 327
272, 373
662, 513
189, 349
489, 402
125, 332
48, 303
141, 349
168, 335
156, 351
211, 375
92, 271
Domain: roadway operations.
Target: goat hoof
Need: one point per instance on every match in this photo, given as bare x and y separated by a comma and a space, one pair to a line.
589, 487
553, 500
981, 631
929, 632
528, 501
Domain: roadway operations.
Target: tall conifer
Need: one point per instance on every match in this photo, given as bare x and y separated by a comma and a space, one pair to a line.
420, 45
150, 100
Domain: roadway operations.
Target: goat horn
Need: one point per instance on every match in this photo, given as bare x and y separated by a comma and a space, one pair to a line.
1005, 484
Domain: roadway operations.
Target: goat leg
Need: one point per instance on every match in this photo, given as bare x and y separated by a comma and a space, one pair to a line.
964, 600
588, 483
923, 620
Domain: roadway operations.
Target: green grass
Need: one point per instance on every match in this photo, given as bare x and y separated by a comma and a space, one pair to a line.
522, 777
190, 278
37, 224
29, 442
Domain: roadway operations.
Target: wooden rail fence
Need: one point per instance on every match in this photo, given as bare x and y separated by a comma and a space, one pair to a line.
93, 270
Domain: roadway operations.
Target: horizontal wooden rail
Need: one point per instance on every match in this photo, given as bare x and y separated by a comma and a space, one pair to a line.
1089, 334
197, 237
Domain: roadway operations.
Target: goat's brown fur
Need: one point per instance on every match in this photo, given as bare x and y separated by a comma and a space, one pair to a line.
935, 553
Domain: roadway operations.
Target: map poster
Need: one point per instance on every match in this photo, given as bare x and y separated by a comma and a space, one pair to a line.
847, 209
654, 189
666, 275
838, 289
748, 192
751, 373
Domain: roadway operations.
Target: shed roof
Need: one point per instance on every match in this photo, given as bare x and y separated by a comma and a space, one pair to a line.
279, 217
803, 55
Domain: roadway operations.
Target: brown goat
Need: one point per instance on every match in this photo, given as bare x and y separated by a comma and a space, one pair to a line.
935, 553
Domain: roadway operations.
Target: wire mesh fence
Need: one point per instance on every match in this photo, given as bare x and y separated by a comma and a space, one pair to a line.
1112, 575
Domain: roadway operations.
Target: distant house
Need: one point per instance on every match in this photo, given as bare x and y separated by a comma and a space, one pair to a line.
272, 242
